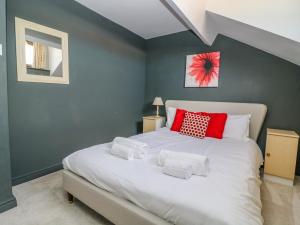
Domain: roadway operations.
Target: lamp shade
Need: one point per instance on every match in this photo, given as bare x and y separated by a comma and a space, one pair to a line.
158, 101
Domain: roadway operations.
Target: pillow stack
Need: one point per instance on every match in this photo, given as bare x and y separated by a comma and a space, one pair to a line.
204, 124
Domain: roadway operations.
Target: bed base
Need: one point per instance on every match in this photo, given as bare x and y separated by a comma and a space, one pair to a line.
117, 210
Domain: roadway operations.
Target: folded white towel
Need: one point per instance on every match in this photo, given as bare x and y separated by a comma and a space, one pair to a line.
122, 151
138, 147
178, 168
199, 162
140, 153
129, 142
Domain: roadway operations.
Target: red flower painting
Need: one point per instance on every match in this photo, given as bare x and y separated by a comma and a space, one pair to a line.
202, 70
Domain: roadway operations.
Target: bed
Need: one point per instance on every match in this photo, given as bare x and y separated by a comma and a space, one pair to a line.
137, 193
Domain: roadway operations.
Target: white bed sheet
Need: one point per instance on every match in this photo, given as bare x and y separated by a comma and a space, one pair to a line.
229, 195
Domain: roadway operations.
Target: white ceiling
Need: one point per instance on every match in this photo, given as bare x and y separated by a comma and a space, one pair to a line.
146, 18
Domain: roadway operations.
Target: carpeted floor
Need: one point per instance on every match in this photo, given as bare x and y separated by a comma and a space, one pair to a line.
43, 202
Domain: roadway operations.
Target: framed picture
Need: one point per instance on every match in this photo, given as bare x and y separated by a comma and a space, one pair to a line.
202, 70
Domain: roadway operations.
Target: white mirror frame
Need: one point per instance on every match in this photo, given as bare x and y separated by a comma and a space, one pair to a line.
20, 26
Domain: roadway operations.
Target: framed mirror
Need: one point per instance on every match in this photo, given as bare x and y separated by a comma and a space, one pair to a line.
42, 53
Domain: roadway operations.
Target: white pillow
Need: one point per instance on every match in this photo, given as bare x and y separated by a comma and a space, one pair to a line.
171, 112
237, 126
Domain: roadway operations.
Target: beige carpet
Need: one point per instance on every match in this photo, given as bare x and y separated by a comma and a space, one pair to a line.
43, 202
281, 204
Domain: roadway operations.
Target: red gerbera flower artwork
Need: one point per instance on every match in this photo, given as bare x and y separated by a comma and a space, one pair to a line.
202, 70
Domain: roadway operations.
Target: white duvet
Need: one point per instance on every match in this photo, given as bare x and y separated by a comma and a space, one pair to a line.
229, 195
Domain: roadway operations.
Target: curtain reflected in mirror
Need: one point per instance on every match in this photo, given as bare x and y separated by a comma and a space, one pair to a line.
43, 54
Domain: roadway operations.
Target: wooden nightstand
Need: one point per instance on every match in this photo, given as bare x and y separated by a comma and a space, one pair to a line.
152, 123
281, 156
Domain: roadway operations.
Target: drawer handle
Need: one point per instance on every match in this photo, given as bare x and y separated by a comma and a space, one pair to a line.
268, 154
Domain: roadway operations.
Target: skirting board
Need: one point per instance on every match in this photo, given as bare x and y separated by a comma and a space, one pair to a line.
278, 180
8, 204
35, 174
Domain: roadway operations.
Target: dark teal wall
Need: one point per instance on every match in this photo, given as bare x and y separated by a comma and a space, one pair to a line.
108, 72
6, 198
104, 99
246, 75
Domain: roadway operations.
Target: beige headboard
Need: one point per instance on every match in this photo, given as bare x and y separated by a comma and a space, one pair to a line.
257, 111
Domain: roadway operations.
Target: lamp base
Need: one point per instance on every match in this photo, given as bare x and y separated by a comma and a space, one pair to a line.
157, 111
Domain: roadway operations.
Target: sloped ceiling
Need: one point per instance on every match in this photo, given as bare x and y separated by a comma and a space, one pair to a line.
146, 18
272, 26
269, 25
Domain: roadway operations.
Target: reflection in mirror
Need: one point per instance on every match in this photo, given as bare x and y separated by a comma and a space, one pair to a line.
43, 54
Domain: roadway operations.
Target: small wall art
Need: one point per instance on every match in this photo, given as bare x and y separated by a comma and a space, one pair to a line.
202, 70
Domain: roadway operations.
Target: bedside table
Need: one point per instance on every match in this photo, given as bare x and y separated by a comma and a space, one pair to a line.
281, 156
152, 123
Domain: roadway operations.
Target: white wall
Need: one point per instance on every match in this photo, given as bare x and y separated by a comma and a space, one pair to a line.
55, 59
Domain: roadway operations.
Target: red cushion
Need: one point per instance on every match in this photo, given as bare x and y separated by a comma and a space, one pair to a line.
178, 119
194, 125
216, 124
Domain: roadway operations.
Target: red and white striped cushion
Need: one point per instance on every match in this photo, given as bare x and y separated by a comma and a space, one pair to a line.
194, 125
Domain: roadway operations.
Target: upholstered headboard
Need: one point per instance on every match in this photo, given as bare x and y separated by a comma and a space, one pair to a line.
257, 111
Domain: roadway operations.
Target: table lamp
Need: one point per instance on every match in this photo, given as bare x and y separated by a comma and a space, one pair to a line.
158, 102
